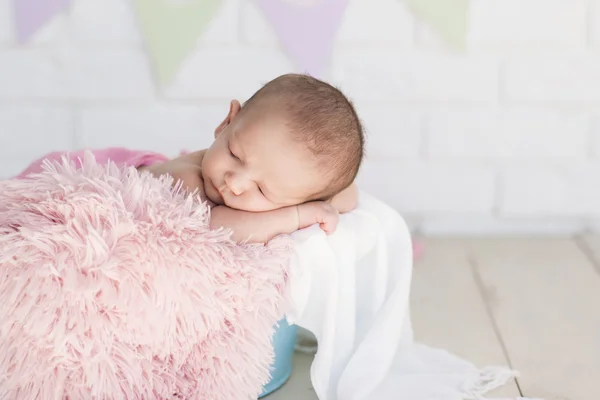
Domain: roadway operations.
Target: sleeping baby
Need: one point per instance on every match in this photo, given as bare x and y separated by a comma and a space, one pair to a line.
285, 160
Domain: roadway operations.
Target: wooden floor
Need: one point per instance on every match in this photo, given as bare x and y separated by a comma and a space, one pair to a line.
531, 304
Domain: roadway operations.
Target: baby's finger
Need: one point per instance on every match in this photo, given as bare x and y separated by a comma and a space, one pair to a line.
326, 228
329, 225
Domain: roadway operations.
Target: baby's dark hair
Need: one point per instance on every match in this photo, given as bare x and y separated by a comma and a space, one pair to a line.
323, 118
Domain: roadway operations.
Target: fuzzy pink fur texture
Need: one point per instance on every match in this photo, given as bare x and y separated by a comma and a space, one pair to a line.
112, 286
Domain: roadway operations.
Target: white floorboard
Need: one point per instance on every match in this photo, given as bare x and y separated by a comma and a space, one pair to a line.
532, 302
545, 298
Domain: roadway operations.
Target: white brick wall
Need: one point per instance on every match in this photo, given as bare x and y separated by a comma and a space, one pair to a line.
431, 188
384, 75
502, 139
595, 140
546, 191
5, 22
522, 134
96, 22
554, 78
520, 23
594, 20
26, 132
187, 127
403, 138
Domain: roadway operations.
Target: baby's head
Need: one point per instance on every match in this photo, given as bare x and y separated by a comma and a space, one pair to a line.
297, 139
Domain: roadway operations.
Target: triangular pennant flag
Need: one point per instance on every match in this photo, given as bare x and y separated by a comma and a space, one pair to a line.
306, 28
31, 15
448, 18
171, 30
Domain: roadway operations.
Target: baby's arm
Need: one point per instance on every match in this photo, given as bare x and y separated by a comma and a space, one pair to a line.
346, 200
263, 226
260, 227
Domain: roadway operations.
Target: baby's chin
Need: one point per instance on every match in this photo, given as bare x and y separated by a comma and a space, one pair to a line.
251, 207
211, 193
239, 205
215, 200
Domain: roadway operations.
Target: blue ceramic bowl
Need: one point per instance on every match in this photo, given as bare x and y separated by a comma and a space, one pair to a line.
284, 340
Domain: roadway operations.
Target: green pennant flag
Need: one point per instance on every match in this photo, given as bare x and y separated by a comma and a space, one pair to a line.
448, 18
171, 29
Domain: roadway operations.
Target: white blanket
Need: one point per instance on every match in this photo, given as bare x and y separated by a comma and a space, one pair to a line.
351, 290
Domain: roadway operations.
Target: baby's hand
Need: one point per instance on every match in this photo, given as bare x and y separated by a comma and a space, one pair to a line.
318, 212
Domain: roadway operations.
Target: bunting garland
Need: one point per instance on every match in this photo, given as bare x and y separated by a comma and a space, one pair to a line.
307, 29
171, 30
448, 18
31, 15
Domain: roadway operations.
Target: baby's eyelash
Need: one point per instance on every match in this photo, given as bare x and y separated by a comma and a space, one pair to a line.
233, 155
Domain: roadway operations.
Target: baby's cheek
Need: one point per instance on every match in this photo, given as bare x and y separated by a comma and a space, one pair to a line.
190, 180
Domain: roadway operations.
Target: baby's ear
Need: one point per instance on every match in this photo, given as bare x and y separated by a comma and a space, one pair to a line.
234, 108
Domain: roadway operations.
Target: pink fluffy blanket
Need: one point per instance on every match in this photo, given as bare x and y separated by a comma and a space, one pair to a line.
112, 286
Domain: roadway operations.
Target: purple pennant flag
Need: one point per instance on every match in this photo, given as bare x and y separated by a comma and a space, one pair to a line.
306, 28
31, 15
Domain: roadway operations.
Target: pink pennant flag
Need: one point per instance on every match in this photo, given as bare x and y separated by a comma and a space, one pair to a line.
31, 15
306, 28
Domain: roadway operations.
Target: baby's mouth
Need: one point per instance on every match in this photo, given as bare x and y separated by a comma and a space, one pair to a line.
211, 191
217, 195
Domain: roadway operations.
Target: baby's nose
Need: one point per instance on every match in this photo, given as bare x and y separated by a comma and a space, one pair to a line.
235, 183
